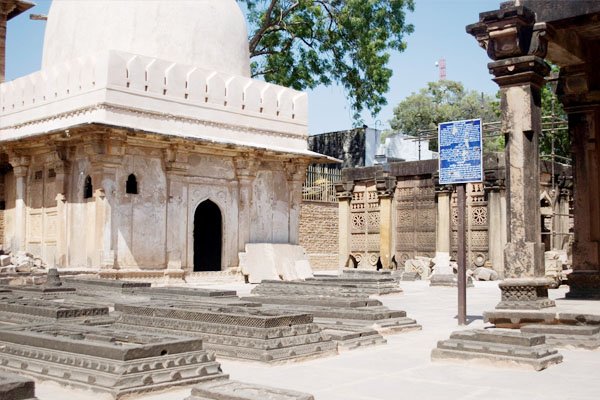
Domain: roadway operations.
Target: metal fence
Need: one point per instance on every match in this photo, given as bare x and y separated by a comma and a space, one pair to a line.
320, 183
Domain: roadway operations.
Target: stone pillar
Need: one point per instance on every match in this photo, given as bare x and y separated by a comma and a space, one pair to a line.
386, 187
20, 169
497, 228
442, 241
584, 127
245, 167
296, 172
62, 245
3, 22
176, 166
344, 196
517, 45
103, 181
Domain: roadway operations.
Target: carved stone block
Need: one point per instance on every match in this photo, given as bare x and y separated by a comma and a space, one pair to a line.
109, 360
498, 346
526, 293
233, 331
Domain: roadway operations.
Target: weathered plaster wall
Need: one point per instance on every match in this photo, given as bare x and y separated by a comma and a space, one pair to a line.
319, 234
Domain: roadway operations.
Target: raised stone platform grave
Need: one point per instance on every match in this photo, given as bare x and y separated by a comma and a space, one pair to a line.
115, 361
104, 285
17, 309
15, 387
346, 311
248, 333
336, 287
42, 291
234, 390
498, 346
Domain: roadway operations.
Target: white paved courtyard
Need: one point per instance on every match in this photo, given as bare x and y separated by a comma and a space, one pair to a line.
402, 369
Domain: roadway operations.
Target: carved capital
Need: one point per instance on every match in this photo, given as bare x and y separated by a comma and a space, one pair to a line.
510, 32
246, 166
344, 190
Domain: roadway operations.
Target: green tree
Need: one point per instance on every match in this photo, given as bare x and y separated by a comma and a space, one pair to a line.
305, 43
441, 101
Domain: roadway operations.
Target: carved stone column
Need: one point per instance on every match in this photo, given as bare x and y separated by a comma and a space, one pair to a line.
344, 196
517, 45
296, 174
62, 244
176, 166
442, 242
386, 187
245, 167
583, 110
20, 166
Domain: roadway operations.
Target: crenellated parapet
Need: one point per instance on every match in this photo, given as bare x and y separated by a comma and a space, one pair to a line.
157, 96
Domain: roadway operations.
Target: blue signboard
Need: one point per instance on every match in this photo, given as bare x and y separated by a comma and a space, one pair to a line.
461, 153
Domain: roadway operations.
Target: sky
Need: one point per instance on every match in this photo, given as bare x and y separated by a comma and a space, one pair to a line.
439, 33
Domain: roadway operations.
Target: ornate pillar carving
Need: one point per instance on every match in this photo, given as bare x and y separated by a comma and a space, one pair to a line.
344, 196
583, 109
296, 175
176, 168
245, 167
20, 166
386, 186
61, 168
517, 45
443, 229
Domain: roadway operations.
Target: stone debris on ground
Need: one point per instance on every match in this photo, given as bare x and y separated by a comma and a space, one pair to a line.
22, 262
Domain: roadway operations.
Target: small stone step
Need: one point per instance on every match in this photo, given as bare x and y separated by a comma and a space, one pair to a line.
499, 346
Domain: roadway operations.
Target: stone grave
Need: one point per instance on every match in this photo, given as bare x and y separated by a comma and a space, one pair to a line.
15, 387
249, 333
26, 310
499, 346
106, 359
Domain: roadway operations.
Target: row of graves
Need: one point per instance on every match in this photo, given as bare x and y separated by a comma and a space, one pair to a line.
126, 338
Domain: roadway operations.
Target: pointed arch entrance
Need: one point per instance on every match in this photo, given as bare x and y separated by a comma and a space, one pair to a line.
208, 237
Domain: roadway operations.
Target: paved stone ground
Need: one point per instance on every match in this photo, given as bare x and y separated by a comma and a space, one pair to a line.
402, 369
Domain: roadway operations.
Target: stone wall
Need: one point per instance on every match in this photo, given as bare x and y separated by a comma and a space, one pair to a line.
319, 233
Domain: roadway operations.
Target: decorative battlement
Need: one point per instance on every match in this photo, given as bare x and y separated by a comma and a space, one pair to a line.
124, 89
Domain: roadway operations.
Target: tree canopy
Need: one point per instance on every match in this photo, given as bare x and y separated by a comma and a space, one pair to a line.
305, 43
443, 101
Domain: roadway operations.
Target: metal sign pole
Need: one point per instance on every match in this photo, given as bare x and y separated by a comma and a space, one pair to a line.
461, 162
462, 254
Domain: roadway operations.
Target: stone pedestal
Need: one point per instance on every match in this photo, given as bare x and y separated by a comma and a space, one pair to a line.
525, 293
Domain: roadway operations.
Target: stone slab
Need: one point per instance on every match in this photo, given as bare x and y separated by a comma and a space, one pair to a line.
262, 261
525, 294
50, 309
234, 390
187, 291
15, 387
248, 333
583, 336
517, 318
105, 284
501, 347
116, 361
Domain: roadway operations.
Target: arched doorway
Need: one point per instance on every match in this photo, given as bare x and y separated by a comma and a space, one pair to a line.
208, 236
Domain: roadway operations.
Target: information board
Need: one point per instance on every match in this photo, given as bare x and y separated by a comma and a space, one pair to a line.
460, 151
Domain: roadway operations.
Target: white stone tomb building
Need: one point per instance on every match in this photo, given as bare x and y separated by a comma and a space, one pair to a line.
143, 148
